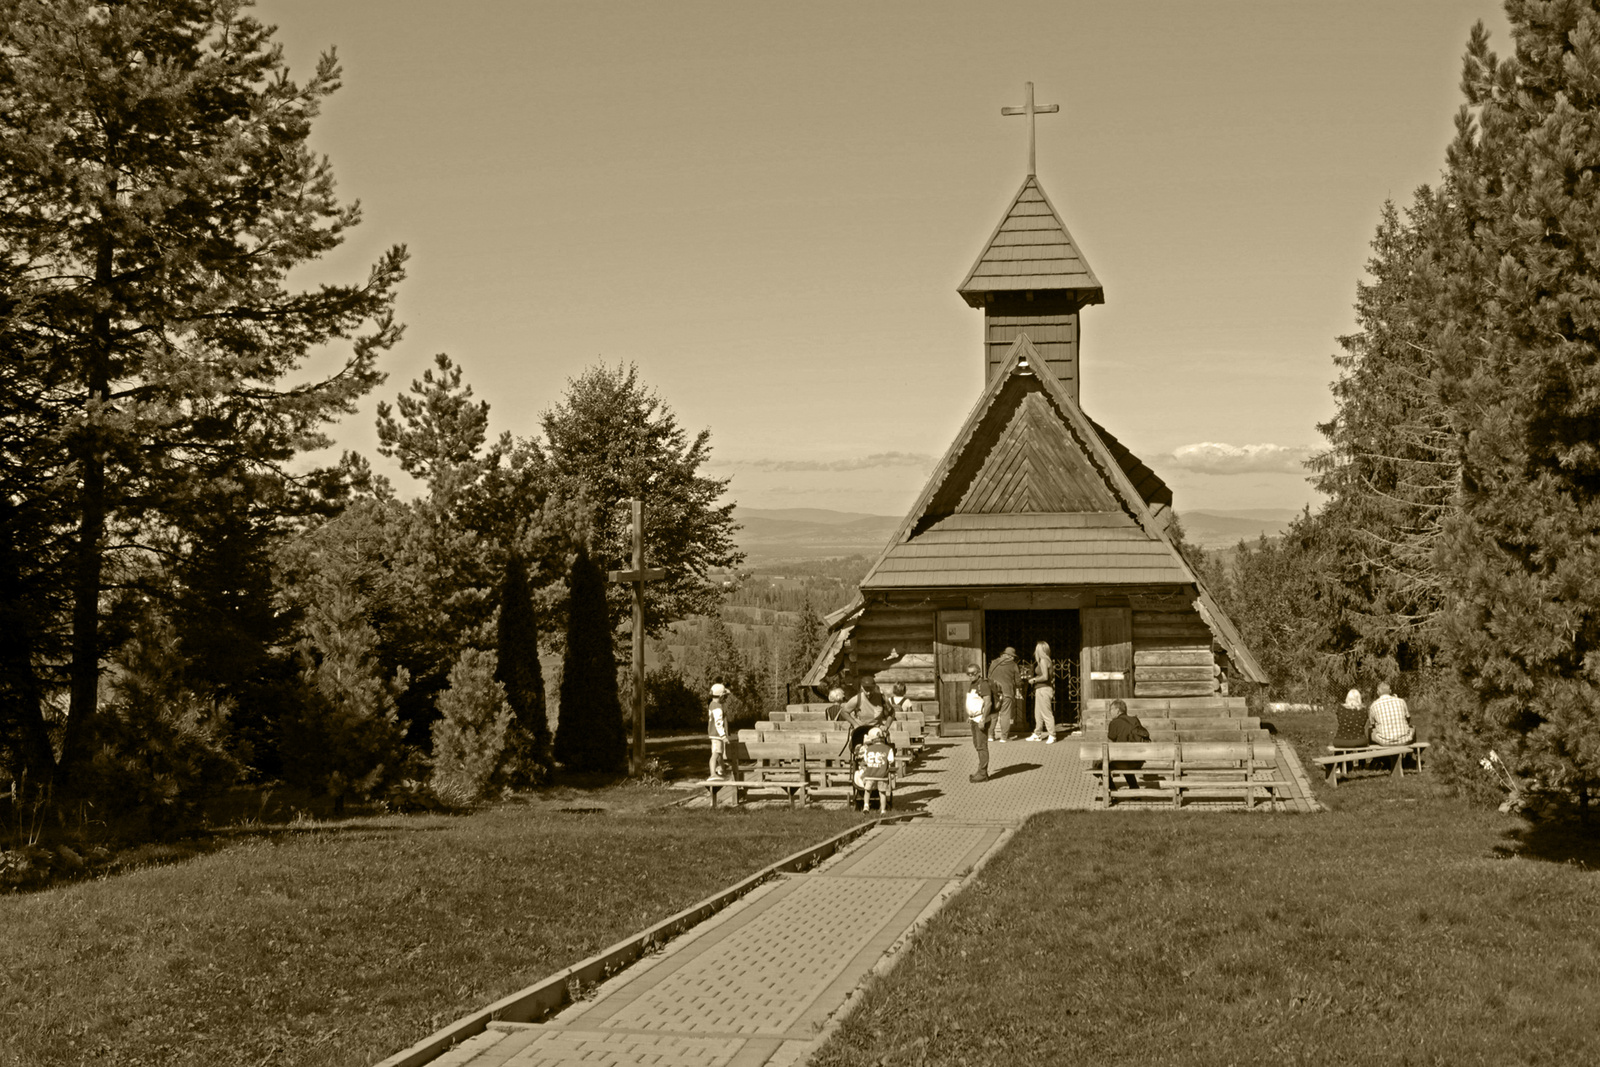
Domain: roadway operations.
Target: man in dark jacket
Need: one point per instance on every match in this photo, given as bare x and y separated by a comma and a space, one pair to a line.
1125, 728
1003, 673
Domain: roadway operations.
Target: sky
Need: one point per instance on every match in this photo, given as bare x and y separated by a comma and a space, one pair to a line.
767, 207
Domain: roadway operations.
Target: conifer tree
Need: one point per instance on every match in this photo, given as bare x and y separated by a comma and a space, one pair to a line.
589, 730
805, 640
1520, 374
526, 760
610, 438
470, 734
156, 188
1390, 468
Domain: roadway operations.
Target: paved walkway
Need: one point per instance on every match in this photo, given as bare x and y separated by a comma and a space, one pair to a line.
758, 983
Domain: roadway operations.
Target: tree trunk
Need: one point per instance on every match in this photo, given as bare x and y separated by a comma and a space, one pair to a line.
88, 560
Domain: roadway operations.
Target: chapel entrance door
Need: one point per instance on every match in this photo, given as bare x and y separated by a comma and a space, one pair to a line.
1023, 630
958, 641
1107, 653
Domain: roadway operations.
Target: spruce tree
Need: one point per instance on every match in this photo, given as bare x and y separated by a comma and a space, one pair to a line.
1520, 373
156, 189
526, 760
1390, 468
590, 735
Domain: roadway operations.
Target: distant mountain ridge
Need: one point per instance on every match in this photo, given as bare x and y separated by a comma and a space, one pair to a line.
818, 533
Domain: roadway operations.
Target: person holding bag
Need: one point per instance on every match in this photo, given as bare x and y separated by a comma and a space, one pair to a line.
980, 705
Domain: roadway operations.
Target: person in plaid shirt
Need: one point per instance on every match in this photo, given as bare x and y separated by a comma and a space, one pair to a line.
1389, 719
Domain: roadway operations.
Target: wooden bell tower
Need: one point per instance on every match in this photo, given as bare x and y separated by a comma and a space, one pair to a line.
1031, 277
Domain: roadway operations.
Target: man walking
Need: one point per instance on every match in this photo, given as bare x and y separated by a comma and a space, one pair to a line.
1004, 675
980, 705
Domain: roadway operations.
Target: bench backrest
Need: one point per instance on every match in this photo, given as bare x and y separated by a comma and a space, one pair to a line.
1187, 751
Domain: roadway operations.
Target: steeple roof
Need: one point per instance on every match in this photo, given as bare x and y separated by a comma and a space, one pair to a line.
1031, 250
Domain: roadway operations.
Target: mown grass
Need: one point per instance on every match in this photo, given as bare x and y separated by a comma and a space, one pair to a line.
342, 943
1400, 927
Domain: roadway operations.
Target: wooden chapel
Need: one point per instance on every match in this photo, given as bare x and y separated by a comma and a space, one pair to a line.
1037, 524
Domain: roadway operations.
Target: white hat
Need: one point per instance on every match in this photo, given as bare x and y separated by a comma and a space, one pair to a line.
1352, 699
719, 690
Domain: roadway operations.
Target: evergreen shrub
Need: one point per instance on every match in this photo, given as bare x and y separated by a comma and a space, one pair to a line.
470, 734
590, 735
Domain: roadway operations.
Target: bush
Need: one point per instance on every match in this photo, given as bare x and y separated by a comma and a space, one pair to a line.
670, 703
470, 735
345, 738
159, 752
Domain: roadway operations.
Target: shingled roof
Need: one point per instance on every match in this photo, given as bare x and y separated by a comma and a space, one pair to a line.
1031, 250
1030, 494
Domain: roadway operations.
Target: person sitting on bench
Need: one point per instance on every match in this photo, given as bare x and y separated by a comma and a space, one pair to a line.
1125, 728
1389, 718
1352, 719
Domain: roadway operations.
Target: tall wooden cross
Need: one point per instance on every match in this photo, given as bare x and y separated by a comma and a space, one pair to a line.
636, 577
1031, 109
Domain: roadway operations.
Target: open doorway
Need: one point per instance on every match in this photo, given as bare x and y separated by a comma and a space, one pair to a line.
1022, 630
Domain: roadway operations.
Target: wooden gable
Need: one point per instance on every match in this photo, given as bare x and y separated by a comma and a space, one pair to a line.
1035, 466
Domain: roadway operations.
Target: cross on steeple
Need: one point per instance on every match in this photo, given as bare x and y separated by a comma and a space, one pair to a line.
1031, 109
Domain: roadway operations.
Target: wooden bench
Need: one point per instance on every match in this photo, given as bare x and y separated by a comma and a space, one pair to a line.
797, 769
1184, 769
1345, 758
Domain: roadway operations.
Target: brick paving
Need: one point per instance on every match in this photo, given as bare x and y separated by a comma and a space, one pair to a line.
757, 984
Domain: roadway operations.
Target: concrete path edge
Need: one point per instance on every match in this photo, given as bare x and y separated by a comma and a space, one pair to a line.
548, 994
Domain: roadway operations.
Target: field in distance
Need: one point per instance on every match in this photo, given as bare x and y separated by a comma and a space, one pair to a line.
776, 534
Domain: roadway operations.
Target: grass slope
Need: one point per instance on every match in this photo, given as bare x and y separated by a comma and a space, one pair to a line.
345, 943
1400, 928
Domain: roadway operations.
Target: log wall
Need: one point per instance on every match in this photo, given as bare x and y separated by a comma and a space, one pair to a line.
905, 632
1172, 654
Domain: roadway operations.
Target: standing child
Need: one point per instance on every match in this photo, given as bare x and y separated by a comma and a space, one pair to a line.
875, 770
717, 729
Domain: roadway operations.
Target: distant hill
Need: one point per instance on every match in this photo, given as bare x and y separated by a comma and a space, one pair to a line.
811, 533
1224, 529
772, 534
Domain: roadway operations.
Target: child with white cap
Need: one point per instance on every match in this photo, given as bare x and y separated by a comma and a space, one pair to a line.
717, 729
875, 769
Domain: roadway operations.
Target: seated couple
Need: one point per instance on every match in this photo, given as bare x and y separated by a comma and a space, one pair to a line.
1386, 722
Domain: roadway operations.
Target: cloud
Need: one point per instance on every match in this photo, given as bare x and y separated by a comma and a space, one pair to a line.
875, 461
1211, 457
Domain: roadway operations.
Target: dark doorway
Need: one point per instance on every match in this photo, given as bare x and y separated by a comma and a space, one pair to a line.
1021, 630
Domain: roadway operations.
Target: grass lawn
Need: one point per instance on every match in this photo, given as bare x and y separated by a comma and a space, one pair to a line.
1400, 927
341, 943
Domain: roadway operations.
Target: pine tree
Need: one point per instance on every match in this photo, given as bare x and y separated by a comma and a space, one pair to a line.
470, 734
806, 639
346, 738
1520, 378
156, 188
589, 731
527, 751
